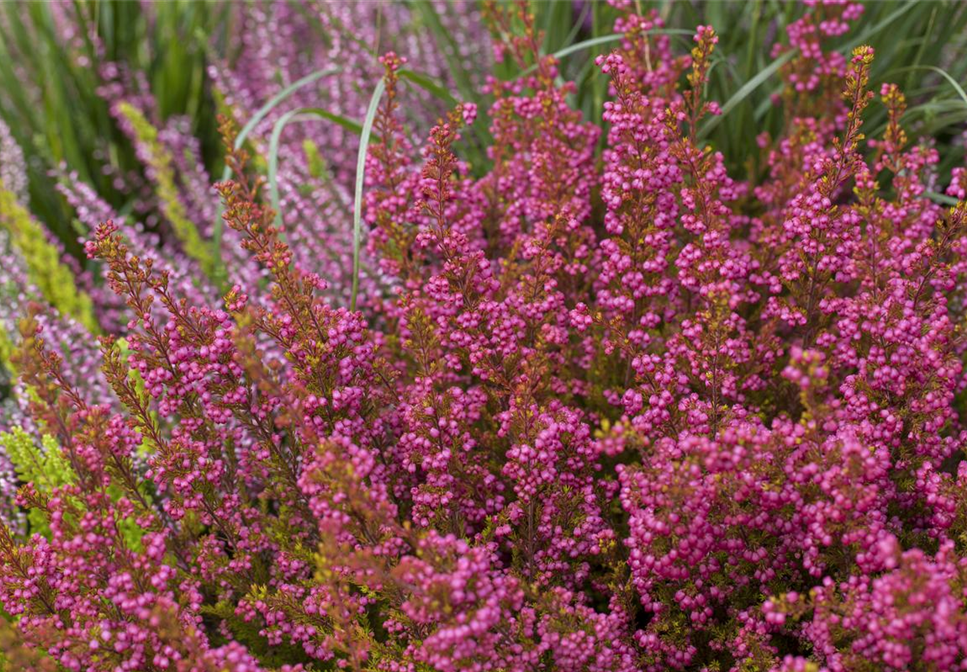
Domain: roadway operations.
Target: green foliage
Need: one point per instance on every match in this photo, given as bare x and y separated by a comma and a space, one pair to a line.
360, 180
262, 112
131, 532
317, 165
64, 120
429, 19
6, 352
54, 280
920, 45
312, 153
124, 351
44, 466
247, 633
162, 166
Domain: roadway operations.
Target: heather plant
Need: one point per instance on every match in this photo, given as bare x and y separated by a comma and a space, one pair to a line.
530, 370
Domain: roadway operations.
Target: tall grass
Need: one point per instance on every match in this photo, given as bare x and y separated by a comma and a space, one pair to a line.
49, 97
910, 38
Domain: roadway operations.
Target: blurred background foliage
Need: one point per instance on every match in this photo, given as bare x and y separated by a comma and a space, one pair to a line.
52, 97
53, 106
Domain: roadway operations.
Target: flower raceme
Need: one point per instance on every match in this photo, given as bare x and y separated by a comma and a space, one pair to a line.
598, 411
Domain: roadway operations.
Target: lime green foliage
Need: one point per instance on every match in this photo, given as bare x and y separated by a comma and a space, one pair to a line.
44, 466
317, 165
130, 531
121, 345
6, 351
160, 161
65, 120
44, 268
47, 469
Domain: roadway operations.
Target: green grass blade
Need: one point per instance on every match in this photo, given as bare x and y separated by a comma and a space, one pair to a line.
360, 178
745, 91
429, 85
250, 126
941, 198
556, 20
349, 124
604, 39
280, 125
571, 36
940, 71
479, 131
870, 31
274, 166
279, 98
447, 45
587, 44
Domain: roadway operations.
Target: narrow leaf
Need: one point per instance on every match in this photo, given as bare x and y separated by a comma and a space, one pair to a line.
250, 126
280, 125
745, 91
360, 178
940, 71
604, 39
941, 198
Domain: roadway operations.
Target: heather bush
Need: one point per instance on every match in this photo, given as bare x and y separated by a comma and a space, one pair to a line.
531, 370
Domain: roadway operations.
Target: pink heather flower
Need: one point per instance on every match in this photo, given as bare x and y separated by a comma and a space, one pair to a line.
595, 411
